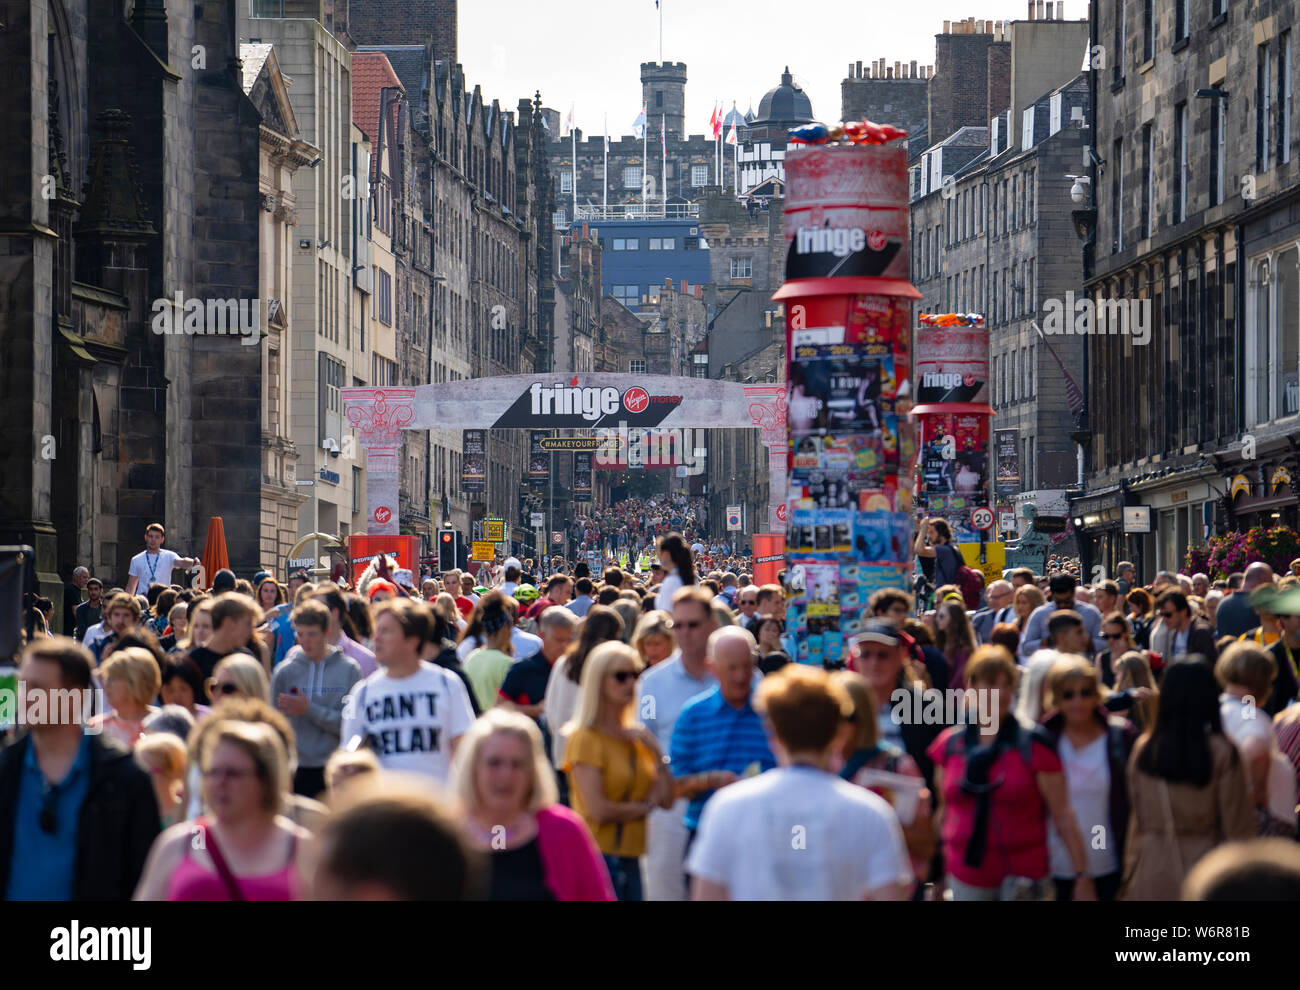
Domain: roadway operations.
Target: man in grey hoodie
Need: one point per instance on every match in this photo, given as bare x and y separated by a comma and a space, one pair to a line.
310, 687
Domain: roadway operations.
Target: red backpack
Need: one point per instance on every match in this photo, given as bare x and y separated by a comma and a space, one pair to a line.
971, 583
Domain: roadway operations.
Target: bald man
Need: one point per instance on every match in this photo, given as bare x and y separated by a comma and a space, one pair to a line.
719, 737
1235, 615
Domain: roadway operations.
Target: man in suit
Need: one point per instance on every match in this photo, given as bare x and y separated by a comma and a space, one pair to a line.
1186, 635
998, 595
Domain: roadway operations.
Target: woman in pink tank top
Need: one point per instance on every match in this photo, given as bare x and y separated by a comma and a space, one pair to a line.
246, 850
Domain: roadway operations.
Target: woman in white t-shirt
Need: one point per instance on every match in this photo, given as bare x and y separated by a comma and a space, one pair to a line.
675, 555
1094, 749
1245, 672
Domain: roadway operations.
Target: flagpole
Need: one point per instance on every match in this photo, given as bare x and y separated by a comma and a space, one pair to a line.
737, 161
663, 144
605, 200
660, 5
645, 153
573, 136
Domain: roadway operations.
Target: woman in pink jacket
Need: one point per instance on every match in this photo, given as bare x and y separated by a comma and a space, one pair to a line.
539, 849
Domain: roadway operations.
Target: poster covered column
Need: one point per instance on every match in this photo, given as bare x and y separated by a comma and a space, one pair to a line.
767, 411
851, 441
379, 415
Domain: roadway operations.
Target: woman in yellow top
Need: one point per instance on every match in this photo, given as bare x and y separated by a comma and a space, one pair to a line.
615, 764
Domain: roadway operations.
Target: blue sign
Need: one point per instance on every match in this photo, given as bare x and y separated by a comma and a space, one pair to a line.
331, 476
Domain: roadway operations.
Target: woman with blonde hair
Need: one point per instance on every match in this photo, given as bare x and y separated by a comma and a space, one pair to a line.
241, 675
1132, 675
870, 762
164, 756
247, 850
198, 624
1024, 601
654, 638
538, 849
345, 764
131, 681
445, 606
615, 764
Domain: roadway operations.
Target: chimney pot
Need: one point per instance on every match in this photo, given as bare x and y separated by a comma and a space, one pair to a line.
947, 27
1040, 10
898, 70
1031, 9
912, 74
859, 70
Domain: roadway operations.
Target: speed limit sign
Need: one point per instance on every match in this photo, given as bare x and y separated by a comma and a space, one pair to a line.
982, 518
557, 538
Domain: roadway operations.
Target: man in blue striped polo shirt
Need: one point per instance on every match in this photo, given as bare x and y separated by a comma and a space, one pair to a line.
719, 737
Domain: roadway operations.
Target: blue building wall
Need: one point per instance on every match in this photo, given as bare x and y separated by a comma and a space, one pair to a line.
630, 273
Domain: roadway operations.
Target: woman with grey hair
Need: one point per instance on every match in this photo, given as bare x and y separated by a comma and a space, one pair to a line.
1033, 685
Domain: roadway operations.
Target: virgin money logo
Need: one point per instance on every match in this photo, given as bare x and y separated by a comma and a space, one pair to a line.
636, 399
876, 240
383, 514
968, 380
781, 511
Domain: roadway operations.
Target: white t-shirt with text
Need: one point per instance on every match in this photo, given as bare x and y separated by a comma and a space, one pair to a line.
410, 721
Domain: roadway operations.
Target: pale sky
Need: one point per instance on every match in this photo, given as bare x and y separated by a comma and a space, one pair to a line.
587, 53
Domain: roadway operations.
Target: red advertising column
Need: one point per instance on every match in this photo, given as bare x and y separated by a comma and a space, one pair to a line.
852, 443
952, 396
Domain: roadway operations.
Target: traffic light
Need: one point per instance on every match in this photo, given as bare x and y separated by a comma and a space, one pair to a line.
448, 549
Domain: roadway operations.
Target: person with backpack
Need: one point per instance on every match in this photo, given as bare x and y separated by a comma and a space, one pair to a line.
1094, 748
943, 564
998, 781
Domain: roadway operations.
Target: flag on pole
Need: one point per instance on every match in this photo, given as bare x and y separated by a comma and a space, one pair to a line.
1073, 393
713, 121
731, 135
568, 121
717, 123
638, 125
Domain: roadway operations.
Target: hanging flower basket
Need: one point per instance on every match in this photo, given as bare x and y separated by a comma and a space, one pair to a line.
1222, 555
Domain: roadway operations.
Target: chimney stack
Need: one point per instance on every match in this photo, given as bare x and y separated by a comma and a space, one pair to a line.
859, 70
1031, 9
912, 74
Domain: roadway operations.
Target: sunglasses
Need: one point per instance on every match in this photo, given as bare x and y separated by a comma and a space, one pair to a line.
623, 676
690, 625
1114, 635
1081, 693
227, 688
1168, 615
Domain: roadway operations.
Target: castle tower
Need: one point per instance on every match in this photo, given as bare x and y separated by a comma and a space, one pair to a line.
663, 91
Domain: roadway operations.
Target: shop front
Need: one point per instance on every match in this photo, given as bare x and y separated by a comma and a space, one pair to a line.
1098, 518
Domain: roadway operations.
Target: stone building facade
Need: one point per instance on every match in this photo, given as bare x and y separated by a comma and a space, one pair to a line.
282, 153
140, 152
990, 209
1192, 216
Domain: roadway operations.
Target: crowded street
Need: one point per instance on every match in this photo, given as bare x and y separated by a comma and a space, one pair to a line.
454, 453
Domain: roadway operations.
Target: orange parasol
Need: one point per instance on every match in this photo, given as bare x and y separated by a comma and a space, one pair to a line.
215, 556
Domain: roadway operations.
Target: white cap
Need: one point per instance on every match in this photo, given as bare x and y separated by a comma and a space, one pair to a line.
513, 562
403, 577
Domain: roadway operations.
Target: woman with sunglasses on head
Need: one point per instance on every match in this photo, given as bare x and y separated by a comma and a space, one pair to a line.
615, 765
246, 850
1094, 748
770, 631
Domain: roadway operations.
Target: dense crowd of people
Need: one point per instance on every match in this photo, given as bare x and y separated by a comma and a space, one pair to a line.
600, 735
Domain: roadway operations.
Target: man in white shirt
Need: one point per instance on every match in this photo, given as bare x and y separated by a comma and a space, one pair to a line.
154, 565
410, 712
799, 832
